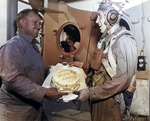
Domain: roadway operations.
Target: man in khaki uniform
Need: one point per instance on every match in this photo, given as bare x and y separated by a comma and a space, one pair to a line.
22, 73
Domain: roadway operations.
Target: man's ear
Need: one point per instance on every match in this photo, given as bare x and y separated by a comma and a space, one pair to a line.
22, 22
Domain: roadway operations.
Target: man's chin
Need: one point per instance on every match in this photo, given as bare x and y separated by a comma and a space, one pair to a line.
35, 35
103, 30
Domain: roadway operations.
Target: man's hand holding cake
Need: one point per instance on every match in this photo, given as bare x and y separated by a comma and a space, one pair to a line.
53, 95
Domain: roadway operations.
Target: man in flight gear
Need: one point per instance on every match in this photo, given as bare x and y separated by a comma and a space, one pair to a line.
114, 77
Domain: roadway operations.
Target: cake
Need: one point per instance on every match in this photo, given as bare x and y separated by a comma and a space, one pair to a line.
65, 80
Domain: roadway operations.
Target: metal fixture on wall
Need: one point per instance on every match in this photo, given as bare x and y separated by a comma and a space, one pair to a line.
141, 65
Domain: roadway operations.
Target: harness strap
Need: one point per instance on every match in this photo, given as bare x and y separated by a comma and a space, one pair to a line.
110, 63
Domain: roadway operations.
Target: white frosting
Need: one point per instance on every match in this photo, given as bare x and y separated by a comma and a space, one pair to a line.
66, 80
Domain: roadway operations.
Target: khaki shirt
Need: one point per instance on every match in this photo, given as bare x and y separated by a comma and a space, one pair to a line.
22, 72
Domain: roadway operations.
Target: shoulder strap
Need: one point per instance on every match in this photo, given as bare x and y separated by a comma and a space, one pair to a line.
110, 64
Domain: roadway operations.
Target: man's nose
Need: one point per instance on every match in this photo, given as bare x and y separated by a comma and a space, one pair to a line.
97, 20
38, 25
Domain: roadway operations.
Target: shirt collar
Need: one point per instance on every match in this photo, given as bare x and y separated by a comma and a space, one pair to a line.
29, 38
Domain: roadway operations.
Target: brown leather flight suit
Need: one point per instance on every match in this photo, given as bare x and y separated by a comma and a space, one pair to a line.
108, 109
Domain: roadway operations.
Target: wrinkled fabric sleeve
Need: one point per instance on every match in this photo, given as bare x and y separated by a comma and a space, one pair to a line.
14, 77
126, 56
